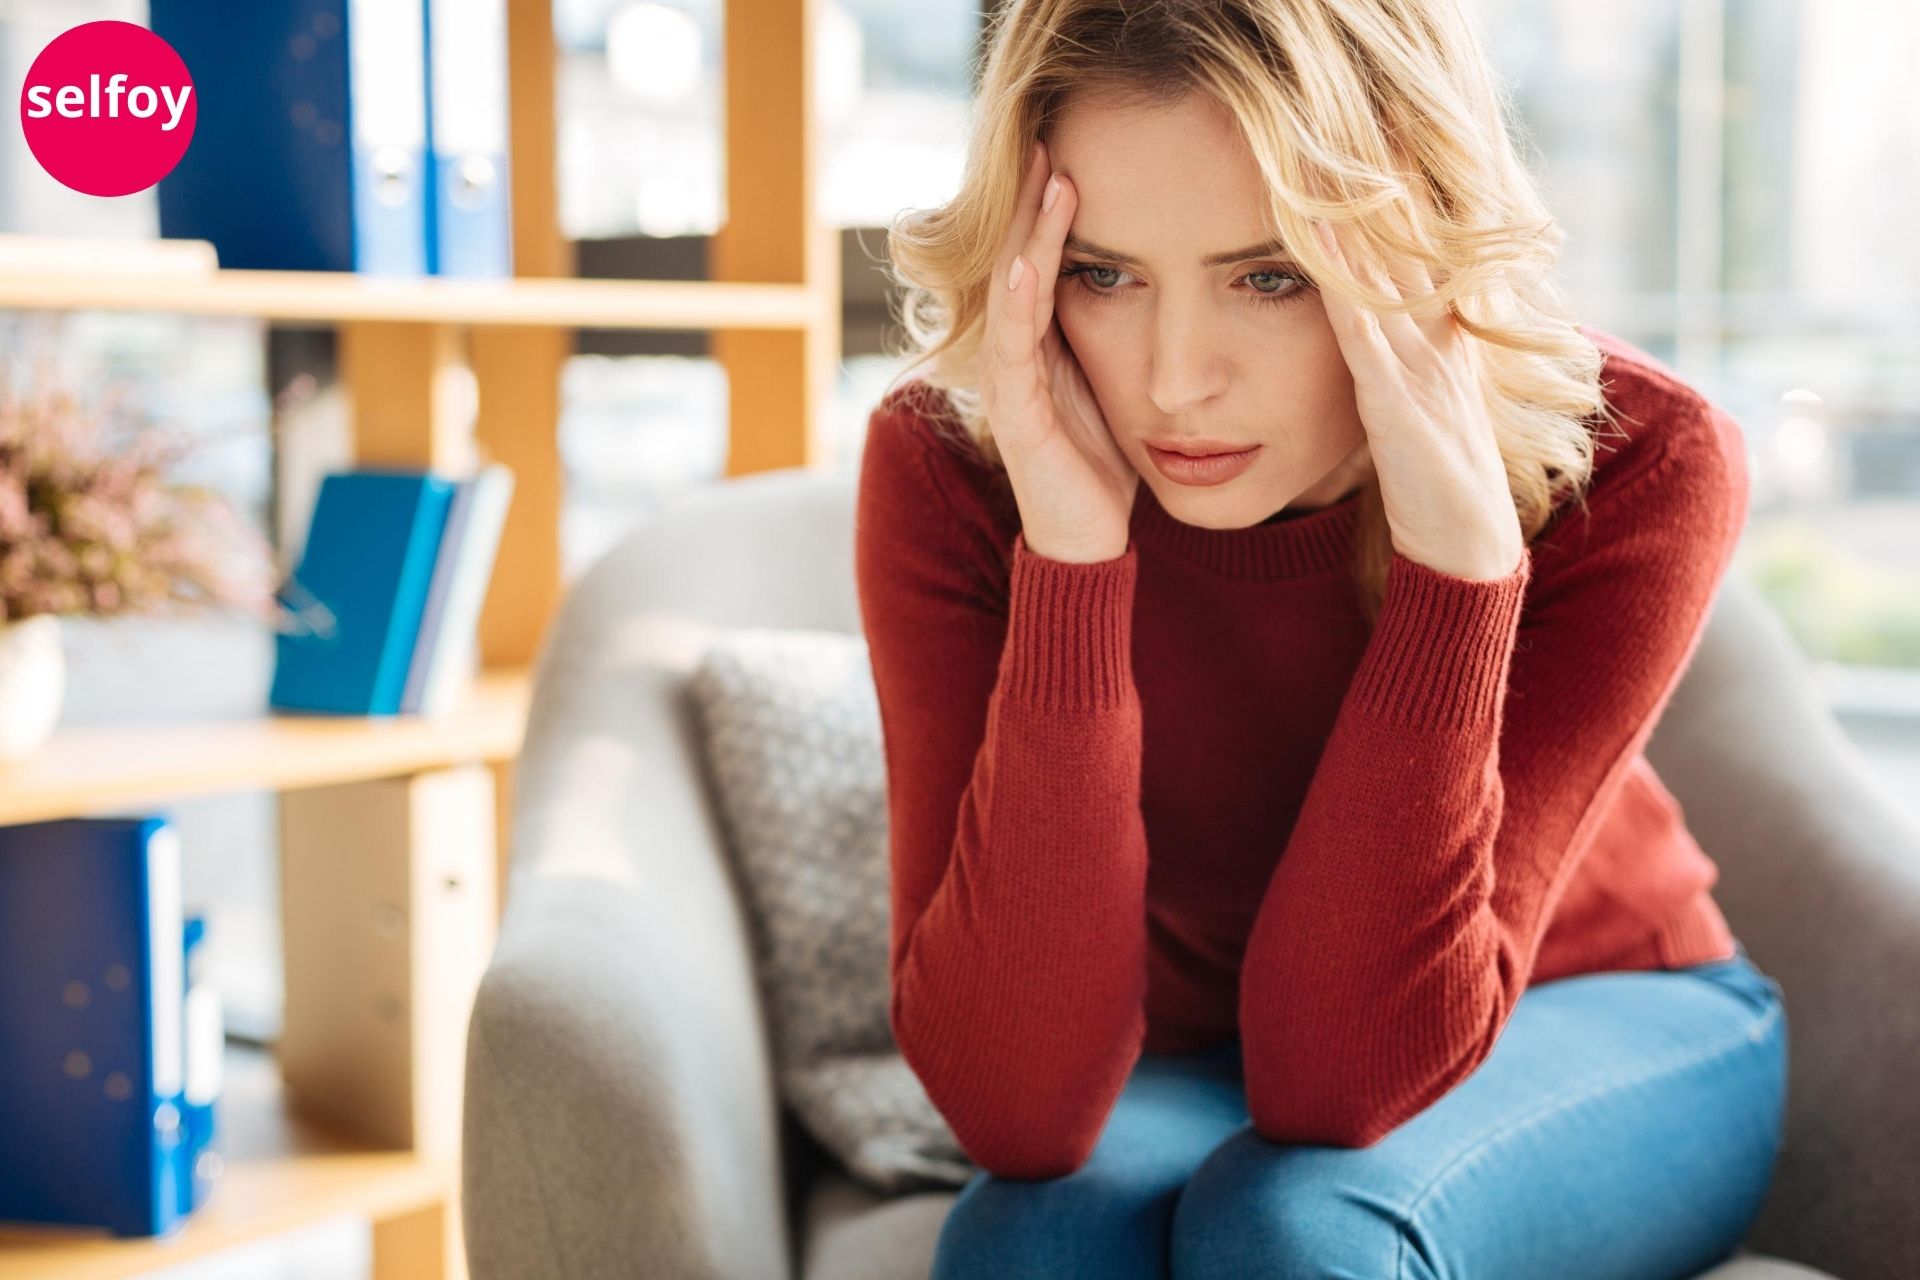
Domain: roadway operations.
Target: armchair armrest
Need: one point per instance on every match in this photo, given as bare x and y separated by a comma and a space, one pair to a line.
1820, 878
620, 1113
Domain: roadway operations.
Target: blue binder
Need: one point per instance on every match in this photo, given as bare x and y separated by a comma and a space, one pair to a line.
94, 1059
433, 615
470, 233
197, 1161
310, 149
361, 589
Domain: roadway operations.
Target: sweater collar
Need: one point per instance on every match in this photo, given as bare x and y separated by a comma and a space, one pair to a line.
1288, 545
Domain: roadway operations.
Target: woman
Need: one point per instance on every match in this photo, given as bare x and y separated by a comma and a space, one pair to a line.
1280, 887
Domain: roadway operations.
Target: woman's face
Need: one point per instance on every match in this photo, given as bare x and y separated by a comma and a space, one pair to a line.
1182, 343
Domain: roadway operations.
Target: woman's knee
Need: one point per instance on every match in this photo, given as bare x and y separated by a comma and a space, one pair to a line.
1109, 1218
1087, 1223
1258, 1208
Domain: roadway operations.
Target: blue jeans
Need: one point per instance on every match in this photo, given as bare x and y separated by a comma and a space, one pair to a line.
1624, 1126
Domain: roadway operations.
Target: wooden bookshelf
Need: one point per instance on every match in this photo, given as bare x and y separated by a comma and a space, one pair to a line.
282, 1171
394, 830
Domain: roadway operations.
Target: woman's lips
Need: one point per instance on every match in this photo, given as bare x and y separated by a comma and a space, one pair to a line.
1215, 468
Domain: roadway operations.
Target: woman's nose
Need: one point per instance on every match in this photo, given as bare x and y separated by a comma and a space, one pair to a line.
1187, 366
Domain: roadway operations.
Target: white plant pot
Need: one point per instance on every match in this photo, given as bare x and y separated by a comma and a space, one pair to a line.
33, 683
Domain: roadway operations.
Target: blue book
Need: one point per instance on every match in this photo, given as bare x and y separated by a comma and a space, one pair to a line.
310, 150
360, 591
467, 138
93, 1059
452, 659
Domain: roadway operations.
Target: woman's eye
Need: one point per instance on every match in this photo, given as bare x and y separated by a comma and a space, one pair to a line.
1291, 285
1094, 277
1099, 283
1105, 282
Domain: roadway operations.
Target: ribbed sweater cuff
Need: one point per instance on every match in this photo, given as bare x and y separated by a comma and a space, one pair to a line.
1070, 631
1441, 647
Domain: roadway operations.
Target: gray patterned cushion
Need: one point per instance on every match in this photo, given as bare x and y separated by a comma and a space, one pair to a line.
793, 743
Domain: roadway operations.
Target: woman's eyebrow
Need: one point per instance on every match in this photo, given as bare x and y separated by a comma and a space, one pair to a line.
1271, 249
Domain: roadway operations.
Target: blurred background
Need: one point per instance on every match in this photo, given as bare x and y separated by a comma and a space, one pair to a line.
1737, 180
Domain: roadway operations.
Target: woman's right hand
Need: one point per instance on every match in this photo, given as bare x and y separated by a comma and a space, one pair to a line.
1073, 485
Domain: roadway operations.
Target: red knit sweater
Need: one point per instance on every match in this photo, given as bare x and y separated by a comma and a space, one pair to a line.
1186, 794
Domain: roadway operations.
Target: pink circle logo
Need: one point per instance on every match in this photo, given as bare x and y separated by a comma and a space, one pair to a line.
108, 108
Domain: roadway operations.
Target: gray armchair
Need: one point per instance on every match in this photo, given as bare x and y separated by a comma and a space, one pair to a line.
620, 1114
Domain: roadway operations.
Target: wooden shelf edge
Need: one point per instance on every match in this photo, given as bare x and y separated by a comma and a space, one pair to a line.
332, 297
99, 769
282, 1172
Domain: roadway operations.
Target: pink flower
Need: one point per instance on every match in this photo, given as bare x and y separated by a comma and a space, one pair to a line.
92, 522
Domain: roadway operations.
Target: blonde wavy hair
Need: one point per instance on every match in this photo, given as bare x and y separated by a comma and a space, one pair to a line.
1380, 114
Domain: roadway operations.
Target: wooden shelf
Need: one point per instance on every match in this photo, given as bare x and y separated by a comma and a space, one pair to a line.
330, 297
282, 1172
99, 768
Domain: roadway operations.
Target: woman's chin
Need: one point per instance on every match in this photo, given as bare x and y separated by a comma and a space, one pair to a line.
1222, 506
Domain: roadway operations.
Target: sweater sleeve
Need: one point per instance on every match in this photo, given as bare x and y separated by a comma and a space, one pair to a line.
1012, 735
1463, 779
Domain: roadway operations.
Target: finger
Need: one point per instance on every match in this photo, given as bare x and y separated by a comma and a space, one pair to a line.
1047, 245
1434, 321
1016, 371
1026, 207
995, 340
1362, 341
1402, 336
1020, 228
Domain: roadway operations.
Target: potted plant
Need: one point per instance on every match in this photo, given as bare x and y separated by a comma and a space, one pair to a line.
94, 523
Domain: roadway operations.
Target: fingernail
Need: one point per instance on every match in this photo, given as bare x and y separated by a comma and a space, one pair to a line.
1019, 269
1053, 193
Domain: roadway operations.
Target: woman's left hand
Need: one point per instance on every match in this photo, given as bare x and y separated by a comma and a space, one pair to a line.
1417, 386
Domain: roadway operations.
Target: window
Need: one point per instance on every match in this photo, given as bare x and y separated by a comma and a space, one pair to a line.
1737, 183
641, 111
641, 154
